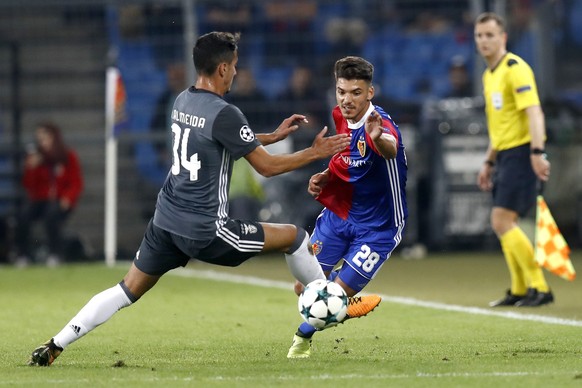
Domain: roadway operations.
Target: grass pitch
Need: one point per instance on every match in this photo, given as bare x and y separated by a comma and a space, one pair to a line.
231, 332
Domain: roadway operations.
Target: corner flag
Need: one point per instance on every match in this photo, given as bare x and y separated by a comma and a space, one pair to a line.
551, 249
115, 120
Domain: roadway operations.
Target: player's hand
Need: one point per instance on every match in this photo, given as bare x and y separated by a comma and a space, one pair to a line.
288, 126
541, 167
317, 182
328, 146
374, 126
484, 179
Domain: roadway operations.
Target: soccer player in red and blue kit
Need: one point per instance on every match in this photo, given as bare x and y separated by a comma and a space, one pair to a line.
363, 191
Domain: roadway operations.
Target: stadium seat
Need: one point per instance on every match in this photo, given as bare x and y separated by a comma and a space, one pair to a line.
272, 80
574, 22
525, 47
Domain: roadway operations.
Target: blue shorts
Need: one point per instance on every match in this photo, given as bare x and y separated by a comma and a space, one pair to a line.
161, 251
364, 251
514, 182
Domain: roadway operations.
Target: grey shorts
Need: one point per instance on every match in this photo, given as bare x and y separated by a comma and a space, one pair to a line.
161, 251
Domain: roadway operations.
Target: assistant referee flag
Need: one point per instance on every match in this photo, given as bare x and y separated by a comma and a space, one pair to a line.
551, 249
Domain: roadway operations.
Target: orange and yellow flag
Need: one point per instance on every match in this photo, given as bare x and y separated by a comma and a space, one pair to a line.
551, 249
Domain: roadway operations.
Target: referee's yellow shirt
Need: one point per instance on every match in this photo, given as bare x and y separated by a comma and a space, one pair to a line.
508, 89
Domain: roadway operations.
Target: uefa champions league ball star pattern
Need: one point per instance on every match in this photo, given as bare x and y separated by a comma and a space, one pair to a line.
323, 304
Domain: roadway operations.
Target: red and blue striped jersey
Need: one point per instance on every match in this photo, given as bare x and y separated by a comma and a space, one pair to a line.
364, 188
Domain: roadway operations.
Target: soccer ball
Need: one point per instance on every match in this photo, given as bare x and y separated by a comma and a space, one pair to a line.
323, 304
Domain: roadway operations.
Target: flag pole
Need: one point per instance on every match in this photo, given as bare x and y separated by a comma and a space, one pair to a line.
110, 224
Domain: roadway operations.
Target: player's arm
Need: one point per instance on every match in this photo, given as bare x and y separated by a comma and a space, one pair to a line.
537, 130
484, 180
385, 143
268, 164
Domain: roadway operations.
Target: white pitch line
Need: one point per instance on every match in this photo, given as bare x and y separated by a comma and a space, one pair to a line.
256, 281
282, 378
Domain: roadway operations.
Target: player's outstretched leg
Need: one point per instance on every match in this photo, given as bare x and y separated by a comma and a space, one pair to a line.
45, 354
97, 311
359, 306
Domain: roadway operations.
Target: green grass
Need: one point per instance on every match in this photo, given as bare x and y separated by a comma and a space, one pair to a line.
207, 333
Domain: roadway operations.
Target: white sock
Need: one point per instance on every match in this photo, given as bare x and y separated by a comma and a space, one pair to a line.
97, 311
303, 264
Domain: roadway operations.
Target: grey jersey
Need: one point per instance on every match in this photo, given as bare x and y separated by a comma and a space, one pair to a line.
209, 134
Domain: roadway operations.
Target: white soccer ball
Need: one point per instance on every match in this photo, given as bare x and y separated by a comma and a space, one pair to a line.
323, 304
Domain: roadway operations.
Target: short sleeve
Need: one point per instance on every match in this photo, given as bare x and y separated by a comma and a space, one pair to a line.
232, 130
523, 85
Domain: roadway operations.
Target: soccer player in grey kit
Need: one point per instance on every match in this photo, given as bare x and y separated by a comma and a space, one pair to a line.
191, 217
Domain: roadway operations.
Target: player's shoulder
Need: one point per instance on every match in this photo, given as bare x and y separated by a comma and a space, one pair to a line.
514, 62
336, 113
231, 109
385, 116
381, 111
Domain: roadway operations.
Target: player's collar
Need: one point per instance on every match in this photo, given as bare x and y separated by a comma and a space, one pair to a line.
363, 119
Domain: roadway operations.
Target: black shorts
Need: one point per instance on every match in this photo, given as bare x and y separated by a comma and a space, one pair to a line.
514, 182
161, 251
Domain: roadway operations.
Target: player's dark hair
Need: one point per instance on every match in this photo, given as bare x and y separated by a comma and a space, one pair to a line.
488, 16
352, 68
213, 49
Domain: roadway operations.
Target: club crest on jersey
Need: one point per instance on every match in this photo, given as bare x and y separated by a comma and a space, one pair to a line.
248, 229
247, 134
317, 246
362, 146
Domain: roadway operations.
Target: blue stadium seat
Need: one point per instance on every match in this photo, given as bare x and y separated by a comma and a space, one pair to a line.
326, 10
400, 86
419, 52
575, 22
525, 47
144, 82
451, 47
440, 85
272, 80
383, 51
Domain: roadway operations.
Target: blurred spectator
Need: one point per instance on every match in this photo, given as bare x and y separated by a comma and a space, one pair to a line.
251, 101
459, 79
132, 22
429, 22
521, 38
53, 183
154, 156
346, 35
246, 195
227, 15
289, 33
6, 189
302, 95
164, 28
176, 77
231, 16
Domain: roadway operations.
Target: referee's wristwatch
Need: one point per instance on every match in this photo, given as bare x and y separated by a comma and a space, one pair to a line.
539, 152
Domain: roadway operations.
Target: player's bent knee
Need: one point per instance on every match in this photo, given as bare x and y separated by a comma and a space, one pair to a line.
298, 288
